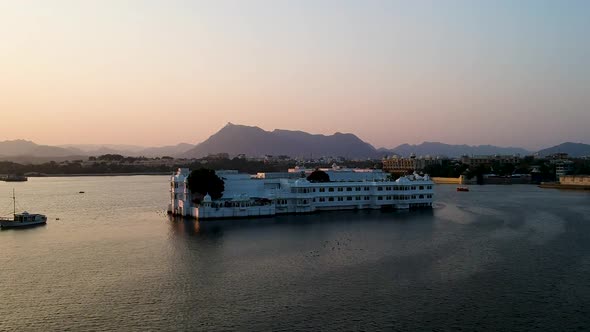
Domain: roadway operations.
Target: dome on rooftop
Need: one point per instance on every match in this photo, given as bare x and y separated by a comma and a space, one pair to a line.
301, 181
402, 179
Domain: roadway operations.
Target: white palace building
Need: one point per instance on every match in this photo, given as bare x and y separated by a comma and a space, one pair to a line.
267, 194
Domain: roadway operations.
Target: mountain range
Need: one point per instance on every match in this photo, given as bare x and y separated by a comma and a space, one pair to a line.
572, 149
254, 141
21, 147
24, 151
130, 150
442, 149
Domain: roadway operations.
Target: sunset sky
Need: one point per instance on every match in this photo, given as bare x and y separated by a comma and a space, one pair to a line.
511, 73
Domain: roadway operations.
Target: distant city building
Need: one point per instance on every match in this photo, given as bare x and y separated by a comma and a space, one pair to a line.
148, 162
578, 180
274, 159
488, 160
558, 156
217, 156
564, 168
563, 165
400, 165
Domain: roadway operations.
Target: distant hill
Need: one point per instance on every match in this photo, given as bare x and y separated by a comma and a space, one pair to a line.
100, 149
572, 149
21, 147
254, 141
131, 150
442, 149
24, 151
91, 148
170, 150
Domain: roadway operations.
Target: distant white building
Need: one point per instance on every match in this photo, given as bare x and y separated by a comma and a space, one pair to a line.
474, 161
400, 165
266, 194
563, 165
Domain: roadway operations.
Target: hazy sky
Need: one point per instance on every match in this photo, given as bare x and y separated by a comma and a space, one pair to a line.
163, 72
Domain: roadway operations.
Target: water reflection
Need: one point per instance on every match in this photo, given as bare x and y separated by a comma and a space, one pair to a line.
116, 262
23, 229
192, 227
184, 226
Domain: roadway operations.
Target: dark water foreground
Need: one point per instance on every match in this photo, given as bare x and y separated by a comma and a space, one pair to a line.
501, 258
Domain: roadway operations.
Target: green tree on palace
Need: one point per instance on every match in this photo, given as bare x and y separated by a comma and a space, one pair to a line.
318, 176
204, 181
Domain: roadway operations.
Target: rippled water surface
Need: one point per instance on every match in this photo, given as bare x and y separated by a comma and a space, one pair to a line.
496, 258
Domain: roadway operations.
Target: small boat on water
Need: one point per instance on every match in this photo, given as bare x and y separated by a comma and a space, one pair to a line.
13, 178
462, 189
22, 220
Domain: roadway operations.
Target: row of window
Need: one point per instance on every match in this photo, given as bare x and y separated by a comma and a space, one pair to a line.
366, 198
366, 188
340, 199
348, 198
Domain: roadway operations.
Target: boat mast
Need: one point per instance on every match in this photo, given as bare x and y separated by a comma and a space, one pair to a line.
13, 202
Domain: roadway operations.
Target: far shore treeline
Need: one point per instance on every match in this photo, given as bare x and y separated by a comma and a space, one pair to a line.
120, 165
117, 164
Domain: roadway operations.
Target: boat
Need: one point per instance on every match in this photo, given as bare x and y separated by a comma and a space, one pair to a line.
462, 189
21, 220
14, 178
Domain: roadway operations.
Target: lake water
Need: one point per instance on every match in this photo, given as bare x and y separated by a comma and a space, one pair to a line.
496, 258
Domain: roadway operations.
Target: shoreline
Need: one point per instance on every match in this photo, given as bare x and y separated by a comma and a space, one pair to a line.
563, 186
97, 174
